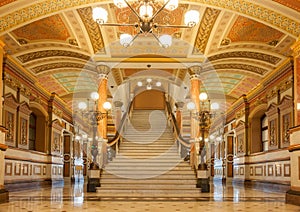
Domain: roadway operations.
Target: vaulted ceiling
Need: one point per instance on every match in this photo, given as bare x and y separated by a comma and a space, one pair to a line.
237, 41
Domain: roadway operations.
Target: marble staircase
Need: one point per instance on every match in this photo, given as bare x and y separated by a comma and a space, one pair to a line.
148, 163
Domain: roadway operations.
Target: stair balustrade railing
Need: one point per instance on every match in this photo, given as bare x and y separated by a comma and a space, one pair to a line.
112, 146
182, 144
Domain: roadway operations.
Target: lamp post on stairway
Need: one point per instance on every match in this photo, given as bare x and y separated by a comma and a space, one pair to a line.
93, 116
203, 116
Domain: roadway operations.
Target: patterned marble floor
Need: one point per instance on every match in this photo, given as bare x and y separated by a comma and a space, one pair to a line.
74, 198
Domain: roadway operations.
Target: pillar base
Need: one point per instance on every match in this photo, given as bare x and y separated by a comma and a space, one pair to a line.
292, 197
4, 196
203, 180
93, 180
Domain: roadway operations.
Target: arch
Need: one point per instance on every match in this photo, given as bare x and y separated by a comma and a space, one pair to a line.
255, 128
38, 130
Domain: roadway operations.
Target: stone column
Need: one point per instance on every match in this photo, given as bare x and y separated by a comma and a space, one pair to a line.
102, 91
293, 195
3, 193
195, 92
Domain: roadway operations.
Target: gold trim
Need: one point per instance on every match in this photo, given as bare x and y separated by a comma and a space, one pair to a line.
295, 147
3, 147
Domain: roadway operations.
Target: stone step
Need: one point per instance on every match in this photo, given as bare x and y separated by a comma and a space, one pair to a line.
121, 181
150, 192
132, 167
159, 177
154, 186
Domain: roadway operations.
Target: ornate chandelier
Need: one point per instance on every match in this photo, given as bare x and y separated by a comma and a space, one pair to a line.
146, 13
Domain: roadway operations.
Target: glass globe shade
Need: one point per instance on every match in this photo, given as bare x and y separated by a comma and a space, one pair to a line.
82, 105
172, 5
100, 15
203, 96
149, 87
165, 41
107, 105
139, 83
120, 3
191, 18
125, 40
94, 96
158, 84
146, 11
191, 106
149, 80
215, 106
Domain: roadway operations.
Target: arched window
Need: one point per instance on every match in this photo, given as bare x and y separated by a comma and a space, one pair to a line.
32, 131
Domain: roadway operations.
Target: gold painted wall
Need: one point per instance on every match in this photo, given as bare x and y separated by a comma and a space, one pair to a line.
149, 100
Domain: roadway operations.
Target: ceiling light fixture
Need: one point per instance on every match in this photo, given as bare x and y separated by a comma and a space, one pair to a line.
146, 12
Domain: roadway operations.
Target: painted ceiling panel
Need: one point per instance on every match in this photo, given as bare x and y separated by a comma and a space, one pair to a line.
45, 29
56, 49
294, 4
5, 2
245, 29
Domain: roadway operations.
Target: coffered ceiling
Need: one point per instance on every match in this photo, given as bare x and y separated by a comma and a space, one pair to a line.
237, 43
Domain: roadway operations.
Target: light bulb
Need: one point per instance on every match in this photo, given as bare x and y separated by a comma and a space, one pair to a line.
126, 40
100, 15
94, 96
203, 96
107, 105
82, 105
191, 18
172, 5
165, 41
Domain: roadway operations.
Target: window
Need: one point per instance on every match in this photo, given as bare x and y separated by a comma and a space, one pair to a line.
264, 132
32, 131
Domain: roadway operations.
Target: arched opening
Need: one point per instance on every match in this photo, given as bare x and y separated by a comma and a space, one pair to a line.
149, 100
258, 129
37, 131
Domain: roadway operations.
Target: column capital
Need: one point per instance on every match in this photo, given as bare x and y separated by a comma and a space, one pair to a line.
195, 71
102, 71
118, 104
179, 105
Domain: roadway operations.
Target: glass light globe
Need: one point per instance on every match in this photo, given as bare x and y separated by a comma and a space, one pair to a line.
165, 41
107, 105
149, 87
172, 5
100, 15
191, 106
203, 96
94, 96
158, 84
149, 80
215, 106
82, 105
192, 18
125, 40
120, 3
146, 11
139, 83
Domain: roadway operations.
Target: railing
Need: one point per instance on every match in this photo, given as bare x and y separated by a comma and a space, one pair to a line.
111, 148
183, 145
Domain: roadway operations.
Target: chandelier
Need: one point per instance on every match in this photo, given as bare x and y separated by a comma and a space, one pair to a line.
146, 12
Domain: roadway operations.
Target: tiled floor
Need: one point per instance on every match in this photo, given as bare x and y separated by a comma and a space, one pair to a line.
74, 198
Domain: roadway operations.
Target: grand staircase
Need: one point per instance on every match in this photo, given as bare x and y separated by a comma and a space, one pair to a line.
148, 163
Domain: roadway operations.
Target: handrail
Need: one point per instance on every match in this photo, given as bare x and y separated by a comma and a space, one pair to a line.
116, 138
177, 130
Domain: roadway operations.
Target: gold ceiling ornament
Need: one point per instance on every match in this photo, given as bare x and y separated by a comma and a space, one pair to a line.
146, 12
